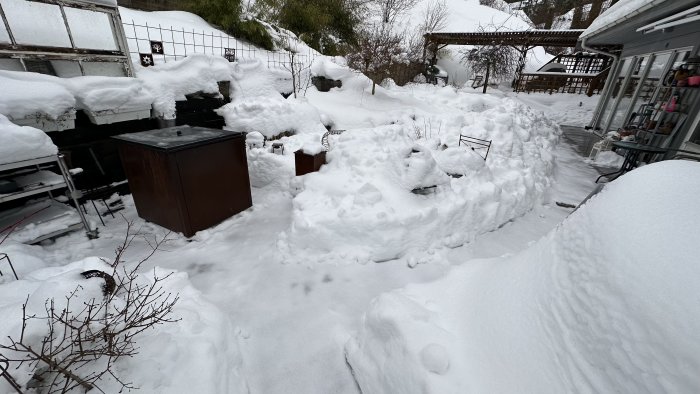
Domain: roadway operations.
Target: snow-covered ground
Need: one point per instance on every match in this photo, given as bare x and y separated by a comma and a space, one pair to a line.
279, 298
604, 303
272, 300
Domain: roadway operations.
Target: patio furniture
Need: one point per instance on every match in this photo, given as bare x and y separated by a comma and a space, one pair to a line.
476, 143
633, 151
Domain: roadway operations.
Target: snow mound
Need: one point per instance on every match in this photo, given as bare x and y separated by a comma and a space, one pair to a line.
607, 302
23, 142
196, 353
169, 82
21, 98
257, 105
89, 93
385, 192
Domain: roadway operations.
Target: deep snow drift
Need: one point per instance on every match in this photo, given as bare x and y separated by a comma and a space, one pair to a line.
606, 302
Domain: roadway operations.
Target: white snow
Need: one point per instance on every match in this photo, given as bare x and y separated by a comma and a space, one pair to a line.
606, 302
609, 159
19, 143
618, 13
31, 93
170, 81
159, 86
195, 354
271, 297
256, 105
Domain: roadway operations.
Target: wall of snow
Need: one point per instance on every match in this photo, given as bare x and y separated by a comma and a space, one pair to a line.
360, 206
607, 302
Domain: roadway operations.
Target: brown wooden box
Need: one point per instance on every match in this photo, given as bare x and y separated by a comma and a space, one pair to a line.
306, 163
186, 178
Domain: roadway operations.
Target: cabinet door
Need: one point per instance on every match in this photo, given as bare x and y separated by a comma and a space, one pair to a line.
215, 182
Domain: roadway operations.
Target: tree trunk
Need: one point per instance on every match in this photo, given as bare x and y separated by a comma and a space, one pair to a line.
373, 85
486, 79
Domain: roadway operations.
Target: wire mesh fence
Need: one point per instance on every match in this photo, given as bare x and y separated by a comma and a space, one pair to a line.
153, 44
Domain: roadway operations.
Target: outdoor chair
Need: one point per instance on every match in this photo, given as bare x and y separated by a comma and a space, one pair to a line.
476, 144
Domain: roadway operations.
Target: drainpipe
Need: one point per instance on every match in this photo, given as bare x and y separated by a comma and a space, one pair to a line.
608, 82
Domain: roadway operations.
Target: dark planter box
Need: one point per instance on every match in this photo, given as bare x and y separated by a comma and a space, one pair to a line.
306, 163
324, 84
185, 178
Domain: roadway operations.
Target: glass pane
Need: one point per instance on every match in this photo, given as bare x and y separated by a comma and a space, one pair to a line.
618, 119
654, 78
4, 37
624, 69
36, 23
90, 29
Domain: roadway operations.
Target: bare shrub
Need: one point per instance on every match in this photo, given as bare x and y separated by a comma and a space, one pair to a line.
378, 48
84, 337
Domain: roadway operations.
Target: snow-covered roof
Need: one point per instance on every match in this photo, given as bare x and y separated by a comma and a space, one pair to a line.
618, 13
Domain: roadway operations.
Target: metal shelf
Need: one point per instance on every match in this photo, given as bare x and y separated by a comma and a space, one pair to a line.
27, 163
66, 182
30, 192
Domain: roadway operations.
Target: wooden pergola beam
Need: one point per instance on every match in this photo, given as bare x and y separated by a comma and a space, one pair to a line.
527, 38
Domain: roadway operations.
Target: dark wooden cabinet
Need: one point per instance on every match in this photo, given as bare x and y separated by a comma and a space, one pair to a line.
184, 178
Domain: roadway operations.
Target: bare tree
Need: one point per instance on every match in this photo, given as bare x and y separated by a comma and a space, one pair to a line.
435, 16
496, 60
83, 342
378, 49
389, 10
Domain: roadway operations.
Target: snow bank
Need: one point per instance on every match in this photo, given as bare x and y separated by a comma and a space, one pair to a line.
607, 302
23, 142
256, 105
197, 353
360, 206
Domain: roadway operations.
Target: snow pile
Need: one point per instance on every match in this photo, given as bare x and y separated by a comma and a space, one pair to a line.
169, 82
196, 353
159, 86
265, 168
256, 105
609, 159
21, 97
23, 142
607, 302
90, 93
370, 203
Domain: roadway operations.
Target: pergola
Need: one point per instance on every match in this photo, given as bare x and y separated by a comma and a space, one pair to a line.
518, 39
522, 41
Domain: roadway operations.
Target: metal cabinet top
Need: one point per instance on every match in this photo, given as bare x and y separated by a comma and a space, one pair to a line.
178, 137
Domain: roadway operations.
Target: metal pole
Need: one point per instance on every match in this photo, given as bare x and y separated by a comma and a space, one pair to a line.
74, 195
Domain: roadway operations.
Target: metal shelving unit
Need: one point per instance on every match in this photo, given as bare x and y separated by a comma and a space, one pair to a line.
51, 208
